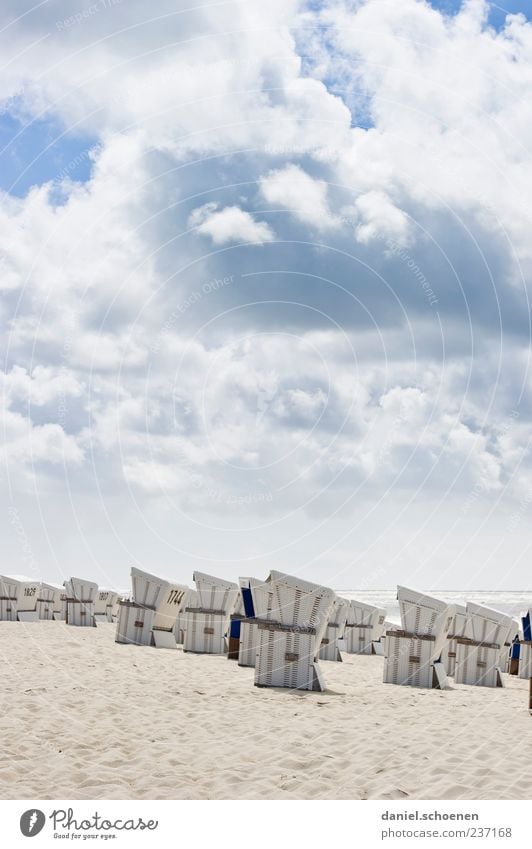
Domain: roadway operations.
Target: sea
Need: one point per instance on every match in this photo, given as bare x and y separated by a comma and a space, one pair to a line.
513, 603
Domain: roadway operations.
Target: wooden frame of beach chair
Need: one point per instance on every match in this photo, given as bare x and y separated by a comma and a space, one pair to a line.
80, 601
291, 622
49, 600
206, 625
412, 655
18, 598
104, 604
364, 628
456, 630
478, 653
151, 617
329, 648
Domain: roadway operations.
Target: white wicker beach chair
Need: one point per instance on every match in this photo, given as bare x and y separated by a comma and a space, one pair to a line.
478, 653
235, 621
456, 630
150, 618
49, 601
207, 625
251, 589
525, 659
506, 647
80, 601
291, 624
18, 598
525, 646
106, 600
192, 602
364, 628
412, 655
329, 649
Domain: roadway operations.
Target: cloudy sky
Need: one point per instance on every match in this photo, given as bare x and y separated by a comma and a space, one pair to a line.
265, 275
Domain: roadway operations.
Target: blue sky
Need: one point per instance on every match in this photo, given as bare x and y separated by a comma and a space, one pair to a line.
37, 151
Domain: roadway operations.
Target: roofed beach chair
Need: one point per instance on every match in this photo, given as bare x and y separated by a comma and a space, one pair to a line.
525, 647
235, 621
150, 618
291, 624
456, 630
80, 601
506, 649
329, 649
364, 628
207, 625
60, 605
104, 605
478, 652
18, 598
192, 601
412, 654
49, 600
250, 589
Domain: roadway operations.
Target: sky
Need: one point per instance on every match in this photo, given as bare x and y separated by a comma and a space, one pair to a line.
265, 273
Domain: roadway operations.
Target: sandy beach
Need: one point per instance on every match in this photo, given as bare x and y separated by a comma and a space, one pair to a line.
85, 718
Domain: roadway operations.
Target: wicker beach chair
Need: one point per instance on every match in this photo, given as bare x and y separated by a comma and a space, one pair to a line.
18, 598
291, 623
525, 646
251, 591
478, 652
150, 617
457, 629
80, 600
412, 655
49, 602
207, 624
329, 649
364, 628
106, 601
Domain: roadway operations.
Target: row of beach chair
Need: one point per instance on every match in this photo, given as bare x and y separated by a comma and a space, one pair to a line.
284, 626
77, 601
471, 644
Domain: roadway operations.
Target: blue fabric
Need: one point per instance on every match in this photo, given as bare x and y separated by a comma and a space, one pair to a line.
515, 651
235, 628
248, 603
527, 630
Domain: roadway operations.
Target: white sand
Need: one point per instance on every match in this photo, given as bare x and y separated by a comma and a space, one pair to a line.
86, 718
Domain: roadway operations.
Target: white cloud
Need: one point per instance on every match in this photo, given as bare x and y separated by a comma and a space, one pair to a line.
293, 189
230, 224
332, 382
